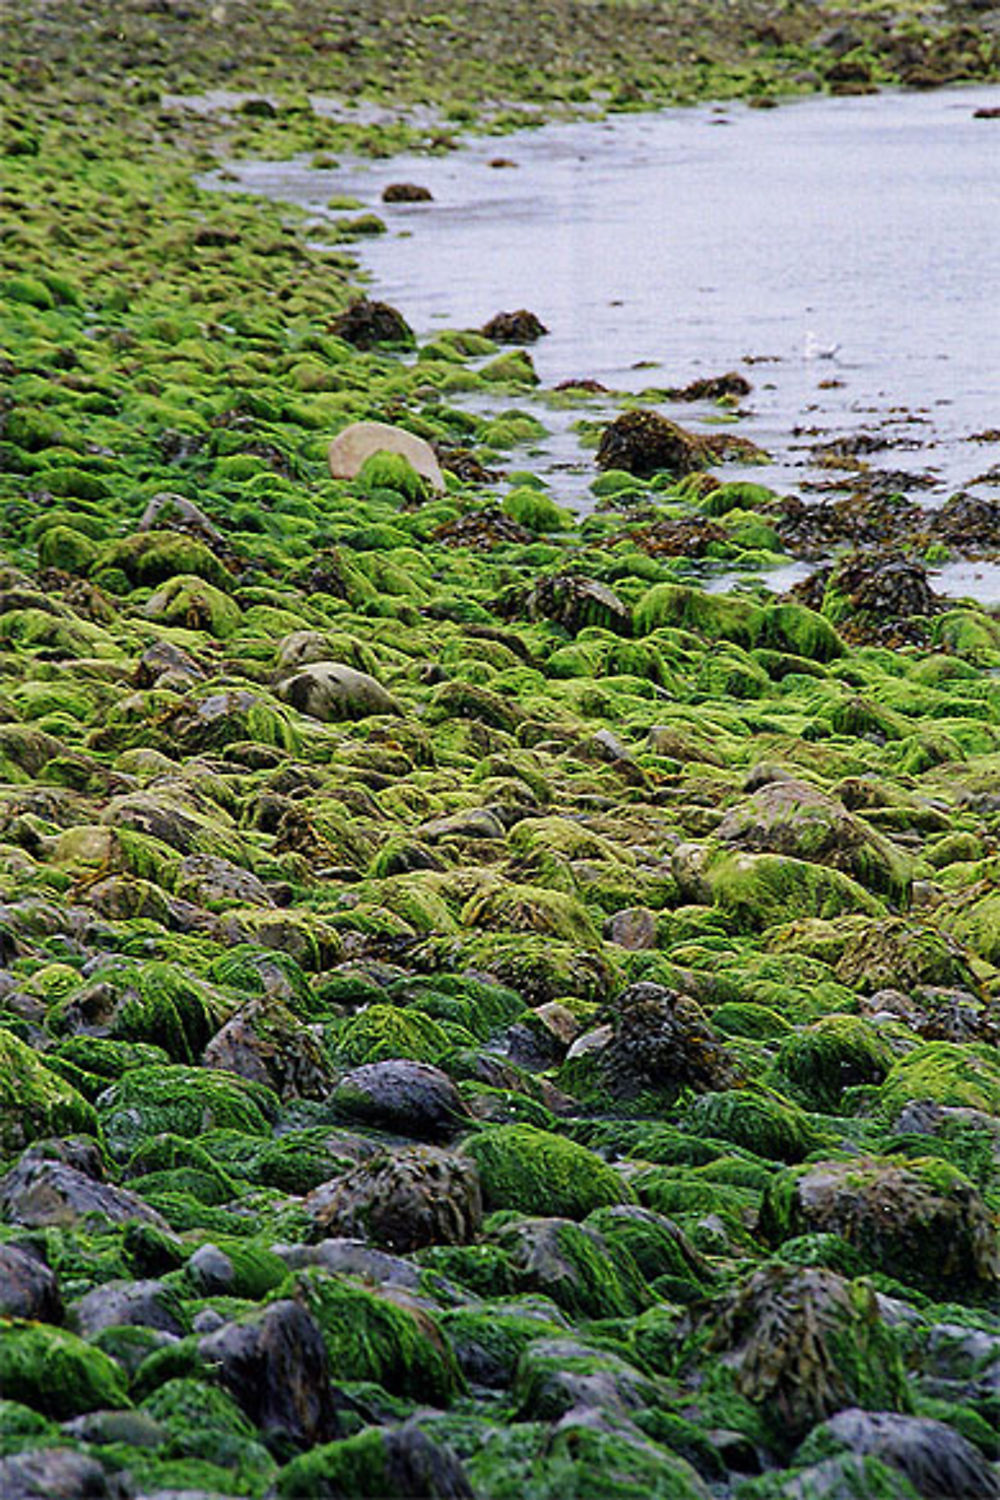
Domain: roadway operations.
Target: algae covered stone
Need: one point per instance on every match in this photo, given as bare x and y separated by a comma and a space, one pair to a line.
35, 1101
536, 1172
920, 1220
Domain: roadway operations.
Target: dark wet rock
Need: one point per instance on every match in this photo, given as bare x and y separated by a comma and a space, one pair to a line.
402, 1200
575, 602
365, 324
799, 1343
266, 1044
165, 665
28, 1287
406, 1097
482, 530
175, 512
469, 823
208, 880
662, 1042
521, 327
381, 1463
921, 1221
330, 691
274, 1362
555, 1376
54, 1474
406, 192
350, 1257
40, 1193
643, 443
211, 1271
937, 1460
146, 1304
712, 388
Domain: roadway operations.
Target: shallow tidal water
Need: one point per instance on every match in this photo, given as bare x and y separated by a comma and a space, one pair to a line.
841, 253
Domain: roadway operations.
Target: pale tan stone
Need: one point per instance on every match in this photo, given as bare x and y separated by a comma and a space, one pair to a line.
356, 443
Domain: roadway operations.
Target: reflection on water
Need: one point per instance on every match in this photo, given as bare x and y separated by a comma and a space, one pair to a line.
839, 252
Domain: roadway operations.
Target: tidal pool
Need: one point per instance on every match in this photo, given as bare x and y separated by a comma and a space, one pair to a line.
840, 253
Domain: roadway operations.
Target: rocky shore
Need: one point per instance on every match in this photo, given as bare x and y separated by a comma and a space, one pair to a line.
480, 1014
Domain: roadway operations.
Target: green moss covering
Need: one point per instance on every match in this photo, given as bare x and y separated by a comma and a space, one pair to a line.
371, 1337
534, 1171
56, 1373
35, 1101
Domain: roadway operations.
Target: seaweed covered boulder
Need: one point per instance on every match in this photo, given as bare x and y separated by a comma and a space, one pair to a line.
380, 1463
643, 443
936, 1459
56, 1373
654, 1043
402, 1199
901, 953
798, 1344
264, 1042
585, 1274
921, 1221
366, 324
377, 1335
187, 1101
34, 1100
794, 818
538, 1172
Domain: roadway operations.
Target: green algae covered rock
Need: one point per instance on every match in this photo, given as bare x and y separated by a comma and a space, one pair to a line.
919, 1220
152, 557
35, 1101
56, 1373
195, 604
369, 1336
530, 908
798, 1345
535, 1172
766, 1124
837, 1052
381, 1032
716, 617
376, 1464
185, 1101
761, 890
584, 1458
965, 1076
584, 1274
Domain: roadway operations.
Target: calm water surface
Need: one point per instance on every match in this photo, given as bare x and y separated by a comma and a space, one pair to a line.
841, 253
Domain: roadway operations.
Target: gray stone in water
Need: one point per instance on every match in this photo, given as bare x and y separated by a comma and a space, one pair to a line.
351, 448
